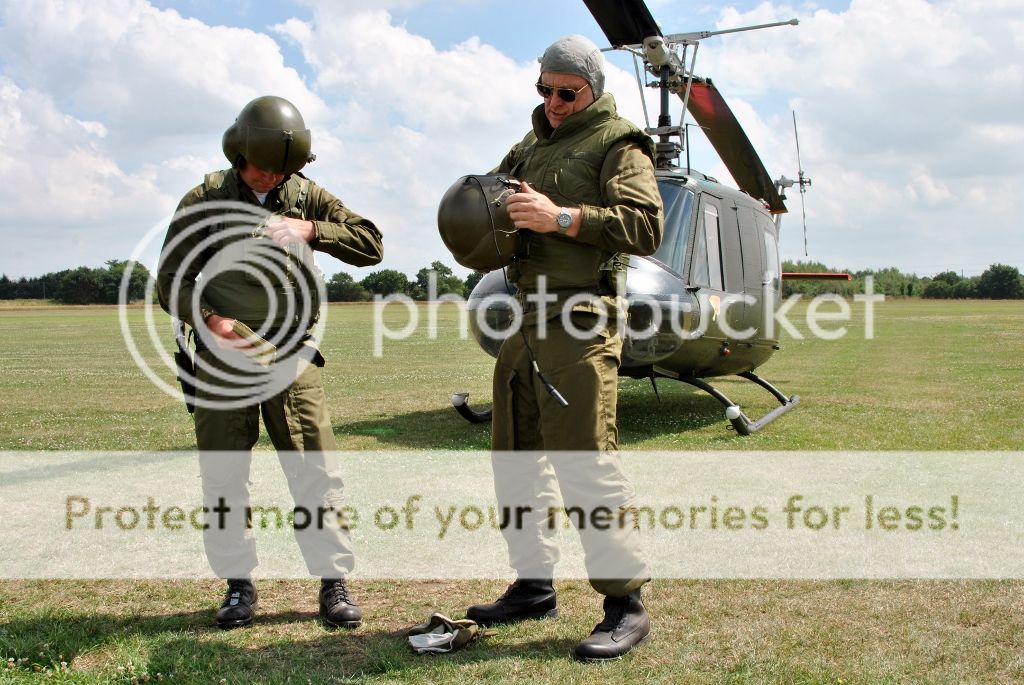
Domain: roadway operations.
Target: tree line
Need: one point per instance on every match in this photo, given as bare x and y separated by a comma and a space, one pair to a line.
998, 282
86, 285
342, 287
79, 286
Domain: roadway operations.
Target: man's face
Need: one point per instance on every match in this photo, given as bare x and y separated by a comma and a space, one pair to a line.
555, 108
259, 180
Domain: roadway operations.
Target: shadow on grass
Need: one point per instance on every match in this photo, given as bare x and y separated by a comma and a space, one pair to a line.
641, 416
676, 409
189, 647
439, 429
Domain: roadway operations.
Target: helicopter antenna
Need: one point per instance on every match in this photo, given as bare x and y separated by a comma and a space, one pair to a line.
802, 180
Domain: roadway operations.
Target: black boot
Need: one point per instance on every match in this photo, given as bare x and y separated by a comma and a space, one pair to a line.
237, 609
337, 608
625, 626
526, 598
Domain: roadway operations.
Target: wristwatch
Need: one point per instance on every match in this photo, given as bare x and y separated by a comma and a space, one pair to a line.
564, 220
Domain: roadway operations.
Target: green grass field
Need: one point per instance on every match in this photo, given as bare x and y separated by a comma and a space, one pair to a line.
938, 375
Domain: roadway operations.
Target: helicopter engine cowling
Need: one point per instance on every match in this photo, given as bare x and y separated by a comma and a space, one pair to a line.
661, 313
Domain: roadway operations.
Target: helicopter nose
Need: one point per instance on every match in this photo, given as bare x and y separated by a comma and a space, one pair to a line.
662, 314
656, 330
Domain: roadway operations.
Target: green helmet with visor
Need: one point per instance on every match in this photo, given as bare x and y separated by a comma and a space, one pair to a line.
270, 134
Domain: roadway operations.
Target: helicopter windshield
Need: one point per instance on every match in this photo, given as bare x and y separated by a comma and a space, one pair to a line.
678, 202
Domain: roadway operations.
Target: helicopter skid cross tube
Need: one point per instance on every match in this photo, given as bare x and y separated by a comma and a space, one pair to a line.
460, 400
739, 420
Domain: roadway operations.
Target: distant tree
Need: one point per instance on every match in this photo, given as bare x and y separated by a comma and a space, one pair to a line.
386, 282
447, 281
937, 290
110, 282
30, 288
471, 280
343, 288
950, 277
80, 286
1000, 282
891, 281
965, 288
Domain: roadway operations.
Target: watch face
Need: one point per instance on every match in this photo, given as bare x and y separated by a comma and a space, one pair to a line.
565, 219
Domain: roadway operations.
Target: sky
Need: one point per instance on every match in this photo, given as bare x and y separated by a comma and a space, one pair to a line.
909, 115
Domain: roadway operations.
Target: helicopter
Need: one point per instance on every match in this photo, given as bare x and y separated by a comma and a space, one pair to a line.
700, 306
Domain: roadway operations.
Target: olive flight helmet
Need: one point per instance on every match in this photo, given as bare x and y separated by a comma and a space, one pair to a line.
269, 133
474, 223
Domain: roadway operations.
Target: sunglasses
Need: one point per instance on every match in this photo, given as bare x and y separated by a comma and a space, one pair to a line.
566, 94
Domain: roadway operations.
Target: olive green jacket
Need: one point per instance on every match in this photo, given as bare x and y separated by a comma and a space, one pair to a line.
602, 163
234, 293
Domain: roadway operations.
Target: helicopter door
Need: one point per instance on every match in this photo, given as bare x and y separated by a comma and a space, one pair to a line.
706, 264
751, 238
731, 256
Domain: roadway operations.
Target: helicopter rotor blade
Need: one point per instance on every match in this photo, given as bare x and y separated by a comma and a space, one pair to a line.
720, 125
624, 22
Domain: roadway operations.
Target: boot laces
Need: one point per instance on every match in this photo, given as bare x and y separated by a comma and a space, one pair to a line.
518, 587
237, 587
511, 590
336, 592
613, 617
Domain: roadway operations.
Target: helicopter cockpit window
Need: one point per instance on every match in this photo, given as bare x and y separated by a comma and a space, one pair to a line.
678, 202
707, 252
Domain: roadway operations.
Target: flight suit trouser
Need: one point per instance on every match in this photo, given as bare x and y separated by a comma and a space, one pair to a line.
299, 426
546, 456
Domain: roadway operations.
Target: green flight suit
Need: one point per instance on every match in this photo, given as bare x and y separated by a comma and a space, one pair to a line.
603, 164
297, 419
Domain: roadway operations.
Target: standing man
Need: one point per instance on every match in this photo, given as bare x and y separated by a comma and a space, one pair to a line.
589, 197
236, 267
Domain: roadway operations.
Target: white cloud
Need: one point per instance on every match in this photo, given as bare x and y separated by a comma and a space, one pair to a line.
415, 119
904, 107
123, 114
908, 110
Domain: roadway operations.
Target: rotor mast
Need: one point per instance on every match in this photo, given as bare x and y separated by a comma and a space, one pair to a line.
665, 58
629, 26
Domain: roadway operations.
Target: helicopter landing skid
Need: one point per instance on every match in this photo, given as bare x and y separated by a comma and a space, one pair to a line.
739, 420
460, 400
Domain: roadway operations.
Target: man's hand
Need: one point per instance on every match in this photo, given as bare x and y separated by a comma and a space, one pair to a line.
222, 330
535, 211
288, 230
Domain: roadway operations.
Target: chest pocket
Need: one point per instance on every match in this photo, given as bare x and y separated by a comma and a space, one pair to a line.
578, 178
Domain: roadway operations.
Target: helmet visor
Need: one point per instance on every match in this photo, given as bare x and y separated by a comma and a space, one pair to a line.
271, 149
